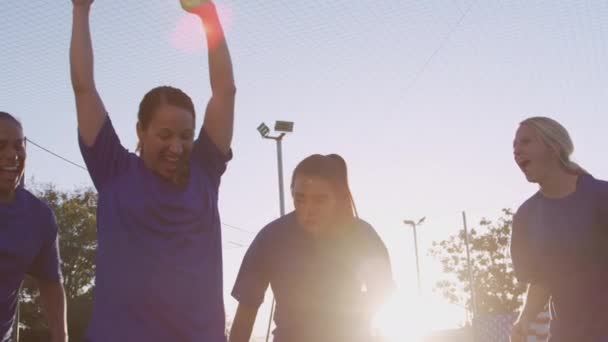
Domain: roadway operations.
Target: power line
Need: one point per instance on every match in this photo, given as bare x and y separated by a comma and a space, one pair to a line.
443, 42
237, 228
85, 169
55, 154
234, 245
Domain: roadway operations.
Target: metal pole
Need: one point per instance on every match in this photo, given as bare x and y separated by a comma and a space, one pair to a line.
279, 141
417, 261
280, 164
15, 334
15, 337
469, 267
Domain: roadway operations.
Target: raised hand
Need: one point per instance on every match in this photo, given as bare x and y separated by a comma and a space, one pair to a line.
82, 2
192, 5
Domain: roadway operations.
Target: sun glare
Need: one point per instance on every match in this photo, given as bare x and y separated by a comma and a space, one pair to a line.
188, 35
400, 320
412, 318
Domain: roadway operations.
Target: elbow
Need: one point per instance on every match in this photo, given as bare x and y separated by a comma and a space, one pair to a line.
82, 87
81, 84
225, 91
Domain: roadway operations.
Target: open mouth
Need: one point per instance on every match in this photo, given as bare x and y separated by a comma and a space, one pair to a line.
172, 162
175, 168
9, 168
171, 159
10, 171
524, 164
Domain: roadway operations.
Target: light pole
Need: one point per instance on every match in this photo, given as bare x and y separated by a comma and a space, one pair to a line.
414, 224
470, 268
282, 127
15, 334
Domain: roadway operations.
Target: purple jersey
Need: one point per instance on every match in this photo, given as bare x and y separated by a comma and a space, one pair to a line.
562, 245
28, 245
322, 286
159, 255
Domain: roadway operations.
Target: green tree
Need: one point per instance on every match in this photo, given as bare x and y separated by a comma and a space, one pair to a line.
495, 287
75, 213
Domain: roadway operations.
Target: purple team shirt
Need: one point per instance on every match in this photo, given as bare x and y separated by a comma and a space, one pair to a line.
562, 245
322, 286
159, 257
28, 245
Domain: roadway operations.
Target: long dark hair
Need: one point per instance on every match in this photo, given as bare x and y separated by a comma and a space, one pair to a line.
332, 168
158, 97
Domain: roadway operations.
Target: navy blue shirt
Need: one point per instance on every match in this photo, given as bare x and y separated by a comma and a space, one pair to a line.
159, 257
562, 245
324, 287
28, 245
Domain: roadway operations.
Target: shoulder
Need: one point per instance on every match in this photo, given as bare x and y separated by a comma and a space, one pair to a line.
598, 186
38, 210
32, 202
278, 229
365, 228
527, 208
367, 234
598, 194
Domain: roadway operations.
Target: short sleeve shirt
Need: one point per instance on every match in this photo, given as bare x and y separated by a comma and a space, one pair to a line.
562, 245
159, 258
28, 245
322, 286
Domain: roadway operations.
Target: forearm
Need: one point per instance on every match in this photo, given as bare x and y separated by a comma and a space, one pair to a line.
53, 301
240, 333
219, 115
536, 301
242, 326
220, 63
90, 108
81, 50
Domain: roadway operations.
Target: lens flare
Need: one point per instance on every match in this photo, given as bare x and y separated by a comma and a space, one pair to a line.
188, 34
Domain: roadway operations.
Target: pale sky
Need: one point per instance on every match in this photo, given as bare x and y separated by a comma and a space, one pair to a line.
422, 98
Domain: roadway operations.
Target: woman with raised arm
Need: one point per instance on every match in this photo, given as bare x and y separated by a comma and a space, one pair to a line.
560, 237
159, 257
328, 269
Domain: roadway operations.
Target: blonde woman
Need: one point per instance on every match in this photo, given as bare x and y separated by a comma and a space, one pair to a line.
560, 237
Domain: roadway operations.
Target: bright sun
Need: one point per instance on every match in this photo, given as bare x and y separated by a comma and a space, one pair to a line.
411, 318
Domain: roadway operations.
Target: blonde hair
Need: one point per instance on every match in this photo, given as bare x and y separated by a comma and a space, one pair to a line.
557, 138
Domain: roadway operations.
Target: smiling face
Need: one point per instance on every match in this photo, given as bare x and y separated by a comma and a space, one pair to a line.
12, 158
167, 141
533, 156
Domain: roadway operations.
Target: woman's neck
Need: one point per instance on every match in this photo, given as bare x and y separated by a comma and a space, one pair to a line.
558, 184
336, 229
7, 197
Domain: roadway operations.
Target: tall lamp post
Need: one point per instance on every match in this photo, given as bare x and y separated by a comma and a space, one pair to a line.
282, 128
15, 334
414, 225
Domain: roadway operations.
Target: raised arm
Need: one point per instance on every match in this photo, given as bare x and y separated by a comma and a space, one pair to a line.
90, 108
219, 116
